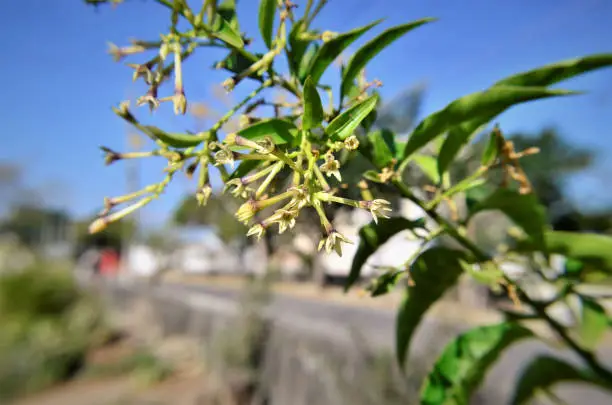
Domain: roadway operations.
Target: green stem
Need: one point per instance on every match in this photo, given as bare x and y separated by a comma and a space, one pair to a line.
238, 106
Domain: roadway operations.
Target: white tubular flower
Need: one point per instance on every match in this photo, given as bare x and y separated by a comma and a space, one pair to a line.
379, 208
331, 167
284, 218
257, 231
333, 242
238, 189
246, 211
351, 143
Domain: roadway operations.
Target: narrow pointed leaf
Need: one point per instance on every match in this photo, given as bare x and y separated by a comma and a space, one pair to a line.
434, 272
224, 31
313, 109
556, 72
371, 237
490, 153
523, 209
174, 139
593, 323
236, 62
544, 372
463, 363
382, 147
280, 131
345, 124
297, 48
586, 247
373, 48
227, 10
477, 109
457, 138
427, 164
267, 11
310, 53
332, 49
245, 167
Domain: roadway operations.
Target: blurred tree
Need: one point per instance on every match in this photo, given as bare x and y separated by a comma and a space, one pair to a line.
218, 214
35, 225
113, 236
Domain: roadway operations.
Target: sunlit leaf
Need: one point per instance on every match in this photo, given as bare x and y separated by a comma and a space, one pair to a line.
586, 247
227, 10
385, 282
372, 236
297, 48
428, 166
237, 62
373, 48
313, 109
543, 372
464, 362
332, 49
523, 209
310, 53
173, 139
433, 272
456, 138
224, 31
593, 323
280, 131
475, 109
345, 124
559, 71
490, 153
245, 167
267, 11
382, 147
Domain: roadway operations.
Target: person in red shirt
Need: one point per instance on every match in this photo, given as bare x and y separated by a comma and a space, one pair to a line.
109, 262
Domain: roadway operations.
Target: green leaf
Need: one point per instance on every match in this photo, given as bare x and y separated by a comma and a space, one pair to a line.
586, 247
490, 153
463, 363
313, 109
434, 271
227, 10
456, 138
297, 48
593, 324
332, 49
523, 209
267, 11
477, 109
224, 31
345, 124
556, 72
373, 48
545, 371
310, 53
385, 283
245, 167
237, 62
487, 273
174, 139
428, 166
372, 175
280, 131
383, 147
372, 236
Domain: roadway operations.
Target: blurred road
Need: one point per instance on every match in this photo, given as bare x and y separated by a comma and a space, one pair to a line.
377, 327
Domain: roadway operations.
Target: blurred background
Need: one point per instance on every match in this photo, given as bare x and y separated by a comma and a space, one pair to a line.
59, 84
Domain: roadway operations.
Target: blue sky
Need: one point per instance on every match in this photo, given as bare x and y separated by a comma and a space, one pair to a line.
58, 83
